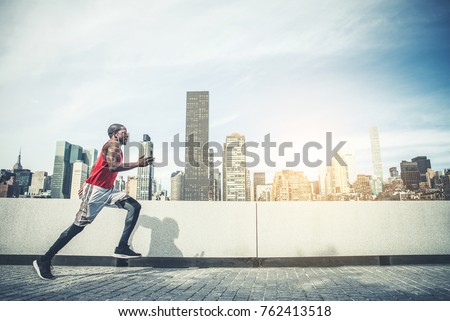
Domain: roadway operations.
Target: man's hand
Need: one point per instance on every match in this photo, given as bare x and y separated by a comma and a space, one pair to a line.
145, 161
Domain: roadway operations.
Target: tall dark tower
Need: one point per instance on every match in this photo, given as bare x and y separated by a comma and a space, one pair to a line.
410, 175
212, 181
23, 178
196, 184
423, 163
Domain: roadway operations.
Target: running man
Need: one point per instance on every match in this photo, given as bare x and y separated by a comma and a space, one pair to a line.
97, 192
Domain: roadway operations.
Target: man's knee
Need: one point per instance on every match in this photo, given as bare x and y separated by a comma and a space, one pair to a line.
138, 206
135, 204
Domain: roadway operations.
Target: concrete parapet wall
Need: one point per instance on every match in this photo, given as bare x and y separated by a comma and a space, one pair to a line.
235, 229
316, 229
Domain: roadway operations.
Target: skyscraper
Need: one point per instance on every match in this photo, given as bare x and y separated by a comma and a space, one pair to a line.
79, 176
212, 182
145, 174
39, 183
431, 178
196, 186
259, 178
235, 174
376, 160
350, 160
438, 177
177, 186
215, 189
393, 172
323, 179
423, 163
6, 183
263, 193
248, 186
336, 180
89, 158
446, 183
410, 175
131, 186
218, 185
18, 165
66, 154
120, 183
23, 178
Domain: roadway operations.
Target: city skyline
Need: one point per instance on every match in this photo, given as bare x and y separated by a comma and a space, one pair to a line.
295, 70
260, 154
322, 171
333, 182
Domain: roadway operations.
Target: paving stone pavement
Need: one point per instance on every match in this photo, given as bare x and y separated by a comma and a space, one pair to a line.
348, 283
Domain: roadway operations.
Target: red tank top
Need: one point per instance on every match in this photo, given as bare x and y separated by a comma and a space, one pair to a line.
101, 175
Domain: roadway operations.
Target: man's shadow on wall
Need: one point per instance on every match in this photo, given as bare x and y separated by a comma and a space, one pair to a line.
162, 236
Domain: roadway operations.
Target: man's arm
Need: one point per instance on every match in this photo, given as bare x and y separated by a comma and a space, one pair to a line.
113, 158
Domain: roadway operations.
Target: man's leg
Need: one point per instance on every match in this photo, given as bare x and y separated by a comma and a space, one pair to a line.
63, 239
42, 264
133, 207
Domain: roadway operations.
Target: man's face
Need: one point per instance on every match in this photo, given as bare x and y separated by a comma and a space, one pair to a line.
122, 136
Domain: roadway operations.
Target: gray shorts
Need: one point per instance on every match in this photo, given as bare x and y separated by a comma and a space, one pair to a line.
93, 200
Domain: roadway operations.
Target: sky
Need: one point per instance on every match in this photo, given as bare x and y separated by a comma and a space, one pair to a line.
294, 69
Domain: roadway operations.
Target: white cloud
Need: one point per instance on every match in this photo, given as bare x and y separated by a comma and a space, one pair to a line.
123, 36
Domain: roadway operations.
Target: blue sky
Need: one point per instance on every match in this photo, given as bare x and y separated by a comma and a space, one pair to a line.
294, 69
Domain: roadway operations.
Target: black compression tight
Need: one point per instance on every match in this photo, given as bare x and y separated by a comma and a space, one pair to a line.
63, 239
133, 209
